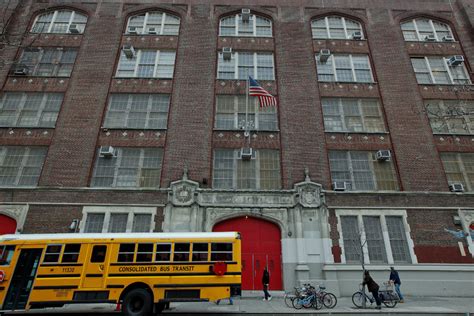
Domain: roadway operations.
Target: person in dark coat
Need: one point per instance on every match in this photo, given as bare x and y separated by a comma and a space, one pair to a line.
395, 278
373, 288
266, 283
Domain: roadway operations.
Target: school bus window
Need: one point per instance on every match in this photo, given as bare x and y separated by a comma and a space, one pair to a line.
6, 255
200, 251
52, 253
221, 252
163, 252
145, 253
126, 252
98, 254
181, 252
71, 252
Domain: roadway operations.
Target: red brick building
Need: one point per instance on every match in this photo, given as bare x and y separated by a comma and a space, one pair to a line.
133, 116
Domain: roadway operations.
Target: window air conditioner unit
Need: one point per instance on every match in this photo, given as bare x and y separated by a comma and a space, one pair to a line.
20, 70
455, 60
324, 55
129, 51
383, 155
226, 53
73, 29
430, 38
246, 153
106, 151
448, 38
456, 187
152, 30
357, 35
245, 15
132, 30
339, 186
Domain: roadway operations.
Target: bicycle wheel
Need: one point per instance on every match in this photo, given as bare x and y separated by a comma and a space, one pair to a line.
308, 303
329, 300
317, 303
358, 299
289, 300
390, 300
297, 303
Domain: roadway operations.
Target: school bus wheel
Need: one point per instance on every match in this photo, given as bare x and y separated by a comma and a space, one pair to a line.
137, 302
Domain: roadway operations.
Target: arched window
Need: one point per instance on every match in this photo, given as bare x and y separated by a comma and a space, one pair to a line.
245, 24
153, 23
60, 21
423, 29
336, 27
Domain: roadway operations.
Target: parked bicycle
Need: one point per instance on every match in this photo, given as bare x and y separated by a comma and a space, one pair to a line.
309, 296
307, 299
387, 296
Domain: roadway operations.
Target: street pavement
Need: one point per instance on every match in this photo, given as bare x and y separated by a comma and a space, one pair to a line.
251, 304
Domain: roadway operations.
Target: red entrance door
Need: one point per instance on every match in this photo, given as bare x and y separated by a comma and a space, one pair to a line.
7, 225
261, 247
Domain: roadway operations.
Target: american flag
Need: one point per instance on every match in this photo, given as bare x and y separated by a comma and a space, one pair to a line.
264, 97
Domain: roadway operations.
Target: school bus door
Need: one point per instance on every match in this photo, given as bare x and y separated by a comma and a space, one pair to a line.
94, 270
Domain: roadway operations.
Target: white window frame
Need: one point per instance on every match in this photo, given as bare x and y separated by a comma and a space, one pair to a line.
21, 106
235, 60
33, 68
137, 64
252, 19
145, 22
386, 238
460, 163
108, 210
334, 72
444, 114
22, 165
433, 29
447, 68
326, 22
53, 20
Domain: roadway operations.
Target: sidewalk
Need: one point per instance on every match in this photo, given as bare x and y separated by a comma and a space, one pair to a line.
252, 304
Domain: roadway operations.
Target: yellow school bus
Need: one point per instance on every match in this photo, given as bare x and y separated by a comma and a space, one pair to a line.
140, 271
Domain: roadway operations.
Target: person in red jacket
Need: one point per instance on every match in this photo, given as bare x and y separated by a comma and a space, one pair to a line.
266, 283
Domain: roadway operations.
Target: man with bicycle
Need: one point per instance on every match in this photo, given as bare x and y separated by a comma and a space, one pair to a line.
395, 278
373, 288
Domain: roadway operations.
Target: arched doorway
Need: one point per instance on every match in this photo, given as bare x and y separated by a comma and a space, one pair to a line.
7, 225
261, 246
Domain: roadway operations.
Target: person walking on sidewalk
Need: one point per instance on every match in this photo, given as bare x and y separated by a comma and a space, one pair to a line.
266, 283
395, 278
373, 288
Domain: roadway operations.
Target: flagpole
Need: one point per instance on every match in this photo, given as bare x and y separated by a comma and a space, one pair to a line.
247, 132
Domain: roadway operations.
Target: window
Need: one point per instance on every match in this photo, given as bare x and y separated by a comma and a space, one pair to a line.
131, 167
52, 253
118, 220
126, 253
256, 26
362, 230
244, 64
21, 166
47, 62
451, 116
335, 27
361, 171
154, 23
163, 252
344, 68
435, 70
145, 253
423, 29
147, 64
143, 111
352, 115
71, 253
19, 109
6, 255
230, 114
221, 252
98, 254
262, 172
459, 168
181, 252
60, 21
200, 251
